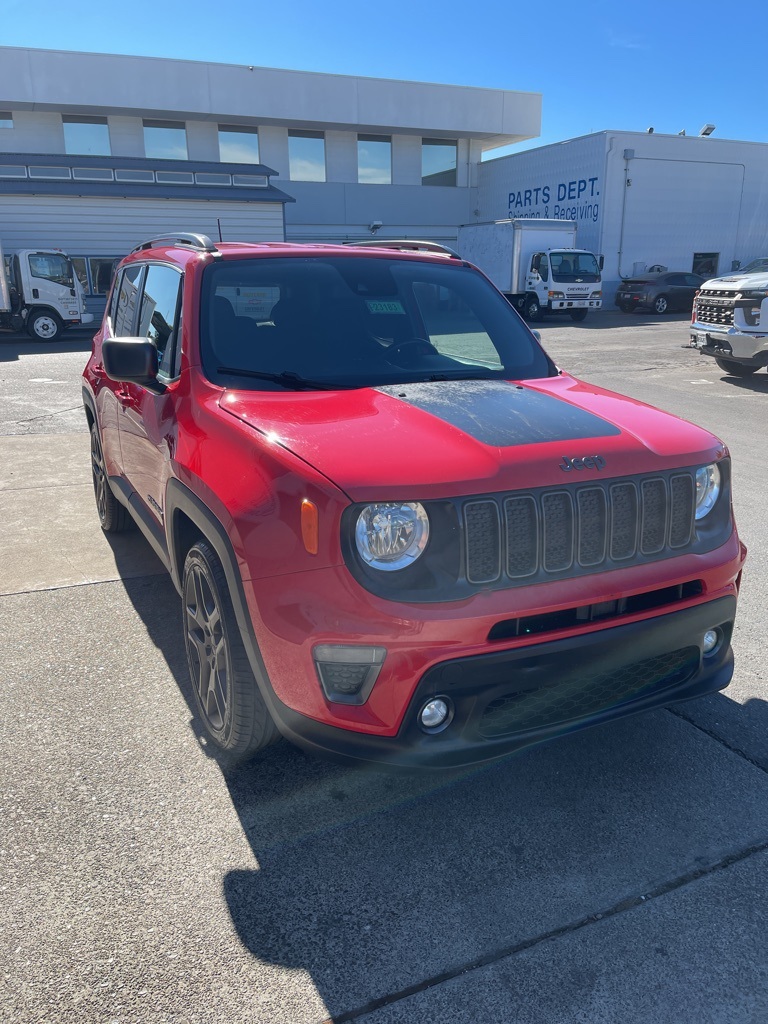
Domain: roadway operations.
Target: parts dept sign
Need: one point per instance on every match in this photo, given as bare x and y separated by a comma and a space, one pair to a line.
577, 199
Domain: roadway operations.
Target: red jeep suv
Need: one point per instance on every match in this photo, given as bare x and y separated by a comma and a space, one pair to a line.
400, 533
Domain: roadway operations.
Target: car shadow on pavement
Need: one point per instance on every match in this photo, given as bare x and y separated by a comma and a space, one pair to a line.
758, 383
378, 885
12, 346
608, 319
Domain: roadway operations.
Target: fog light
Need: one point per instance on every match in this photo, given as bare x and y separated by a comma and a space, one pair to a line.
347, 673
712, 639
435, 714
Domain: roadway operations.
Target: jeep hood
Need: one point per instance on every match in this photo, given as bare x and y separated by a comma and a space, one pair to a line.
446, 438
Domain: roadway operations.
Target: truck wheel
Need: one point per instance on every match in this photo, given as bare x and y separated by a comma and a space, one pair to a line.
660, 304
735, 369
44, 326
113, 516
533, 311
578, 315
226, 694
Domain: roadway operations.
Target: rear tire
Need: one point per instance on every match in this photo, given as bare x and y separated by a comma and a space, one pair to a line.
227, 696
626, 307
578, 315
735, 369
44, 326
113, 516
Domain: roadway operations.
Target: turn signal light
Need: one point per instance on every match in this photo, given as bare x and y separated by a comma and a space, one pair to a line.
310, 526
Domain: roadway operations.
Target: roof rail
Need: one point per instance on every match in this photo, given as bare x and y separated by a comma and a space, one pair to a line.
407, 245
185, 239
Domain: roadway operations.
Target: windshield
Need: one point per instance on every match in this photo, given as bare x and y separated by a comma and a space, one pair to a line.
358, 321
755, 267
574, 266
52, 267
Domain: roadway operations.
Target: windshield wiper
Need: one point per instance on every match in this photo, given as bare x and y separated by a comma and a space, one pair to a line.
288, 379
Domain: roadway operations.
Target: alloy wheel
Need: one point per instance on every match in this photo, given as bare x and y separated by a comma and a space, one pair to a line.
207, 648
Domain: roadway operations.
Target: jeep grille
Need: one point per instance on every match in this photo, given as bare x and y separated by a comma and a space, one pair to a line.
568, 531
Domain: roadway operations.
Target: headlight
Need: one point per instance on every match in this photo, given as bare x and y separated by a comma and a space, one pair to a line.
707, 489
392, 535
556, 295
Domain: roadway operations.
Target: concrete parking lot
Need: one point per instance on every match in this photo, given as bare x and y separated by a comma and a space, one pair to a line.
617, 875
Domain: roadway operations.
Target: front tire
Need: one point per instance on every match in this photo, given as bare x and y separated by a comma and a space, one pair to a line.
660, 304
44, 326
735, 369
113, 516
227, 696
533, 311
578, 315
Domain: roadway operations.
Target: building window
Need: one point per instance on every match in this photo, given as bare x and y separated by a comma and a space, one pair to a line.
238, 145
306, 156
86, 136
165, 140
6, 119
374, 159
438, 162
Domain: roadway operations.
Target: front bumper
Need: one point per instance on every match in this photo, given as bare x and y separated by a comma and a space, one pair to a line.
576, 303
730, 343
511, 699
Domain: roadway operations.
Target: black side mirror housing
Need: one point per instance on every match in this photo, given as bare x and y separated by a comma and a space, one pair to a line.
133, 360
601, 261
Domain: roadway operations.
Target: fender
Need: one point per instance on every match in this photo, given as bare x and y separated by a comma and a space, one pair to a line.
179, 498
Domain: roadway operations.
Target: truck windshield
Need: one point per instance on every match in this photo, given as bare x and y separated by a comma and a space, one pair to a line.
359, 322
755, 267
52, 267
574, 266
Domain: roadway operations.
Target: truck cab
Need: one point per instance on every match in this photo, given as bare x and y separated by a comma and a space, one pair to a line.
562, 280
40, 293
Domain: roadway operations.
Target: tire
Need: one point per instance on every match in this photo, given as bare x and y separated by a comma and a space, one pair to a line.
533, 311
113, 516
626, 307
661, 304
735, 369
42, 326
578, 315
227, 696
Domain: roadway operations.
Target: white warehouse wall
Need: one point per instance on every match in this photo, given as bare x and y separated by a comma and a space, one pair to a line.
669, 197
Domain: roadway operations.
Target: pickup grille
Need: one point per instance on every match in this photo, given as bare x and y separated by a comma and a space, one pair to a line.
714, 307
530, 537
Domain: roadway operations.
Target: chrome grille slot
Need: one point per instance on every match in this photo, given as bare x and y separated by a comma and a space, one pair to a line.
558, 517
654, 519
483, 543
593, 520
521, 523
623, 521
682, 510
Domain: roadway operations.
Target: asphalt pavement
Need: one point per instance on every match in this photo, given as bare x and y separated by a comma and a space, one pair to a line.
617, 875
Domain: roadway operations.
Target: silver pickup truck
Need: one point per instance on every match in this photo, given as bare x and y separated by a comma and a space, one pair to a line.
730, 319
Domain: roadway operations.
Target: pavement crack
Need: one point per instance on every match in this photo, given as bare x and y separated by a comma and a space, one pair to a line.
622, 907
718, 739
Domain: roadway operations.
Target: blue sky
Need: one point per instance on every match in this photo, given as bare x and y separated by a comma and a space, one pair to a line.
597, 63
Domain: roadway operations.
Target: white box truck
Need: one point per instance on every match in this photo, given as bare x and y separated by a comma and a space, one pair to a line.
535, 262
40, 293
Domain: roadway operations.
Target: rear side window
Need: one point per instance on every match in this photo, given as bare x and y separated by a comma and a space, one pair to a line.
159, 309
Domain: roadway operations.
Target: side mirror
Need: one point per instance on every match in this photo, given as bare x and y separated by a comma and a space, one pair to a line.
537, 335
536, 262
133, 360
735, 264
601, 261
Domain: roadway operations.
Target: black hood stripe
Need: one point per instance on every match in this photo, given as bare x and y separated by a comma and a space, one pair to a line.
501, 414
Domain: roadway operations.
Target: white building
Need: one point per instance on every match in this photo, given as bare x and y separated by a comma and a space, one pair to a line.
99, 152
686, 203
